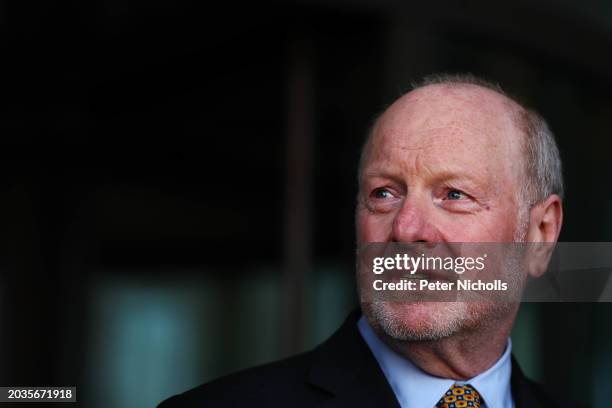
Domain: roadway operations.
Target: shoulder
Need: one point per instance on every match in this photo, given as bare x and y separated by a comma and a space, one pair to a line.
280, 383
528, 393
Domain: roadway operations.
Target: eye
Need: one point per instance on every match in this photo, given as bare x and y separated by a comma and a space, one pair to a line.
382, 199
456, 201
455, 195
382, 194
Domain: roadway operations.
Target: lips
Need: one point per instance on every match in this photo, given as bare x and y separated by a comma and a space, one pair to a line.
428, 274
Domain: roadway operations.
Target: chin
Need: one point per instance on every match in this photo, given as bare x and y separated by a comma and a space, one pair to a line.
418, 321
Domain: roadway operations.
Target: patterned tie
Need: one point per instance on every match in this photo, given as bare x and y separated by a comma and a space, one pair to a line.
459, 396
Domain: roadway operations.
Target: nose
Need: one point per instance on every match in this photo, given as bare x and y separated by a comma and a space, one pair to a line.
414, 222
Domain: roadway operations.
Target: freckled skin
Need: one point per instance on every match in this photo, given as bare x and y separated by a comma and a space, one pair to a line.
429, 143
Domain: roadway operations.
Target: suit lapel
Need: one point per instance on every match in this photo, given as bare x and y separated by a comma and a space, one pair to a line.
344, 367
522, 389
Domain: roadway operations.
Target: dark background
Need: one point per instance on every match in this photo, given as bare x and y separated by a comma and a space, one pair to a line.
178, 180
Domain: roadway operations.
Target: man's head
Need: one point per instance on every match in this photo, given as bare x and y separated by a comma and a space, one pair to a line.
456, 160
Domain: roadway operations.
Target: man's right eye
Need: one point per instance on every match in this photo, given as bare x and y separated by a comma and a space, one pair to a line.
382, 193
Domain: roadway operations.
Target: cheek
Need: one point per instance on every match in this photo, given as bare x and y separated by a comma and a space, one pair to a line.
488, 226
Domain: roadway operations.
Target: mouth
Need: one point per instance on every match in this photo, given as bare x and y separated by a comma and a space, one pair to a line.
430, 275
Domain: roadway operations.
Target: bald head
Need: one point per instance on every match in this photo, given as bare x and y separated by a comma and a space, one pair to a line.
480, 109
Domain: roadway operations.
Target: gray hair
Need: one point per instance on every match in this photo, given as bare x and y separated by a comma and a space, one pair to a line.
542, 157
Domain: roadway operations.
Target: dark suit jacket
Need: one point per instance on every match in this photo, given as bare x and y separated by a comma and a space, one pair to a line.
341, 372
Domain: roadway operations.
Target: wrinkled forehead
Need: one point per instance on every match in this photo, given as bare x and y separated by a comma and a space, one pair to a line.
465, 127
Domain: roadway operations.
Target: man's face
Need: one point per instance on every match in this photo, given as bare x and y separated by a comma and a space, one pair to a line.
443, 165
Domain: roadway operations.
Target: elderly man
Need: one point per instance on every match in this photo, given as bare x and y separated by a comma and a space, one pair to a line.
454, 160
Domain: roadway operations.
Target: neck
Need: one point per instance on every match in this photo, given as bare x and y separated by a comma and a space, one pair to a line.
460, 356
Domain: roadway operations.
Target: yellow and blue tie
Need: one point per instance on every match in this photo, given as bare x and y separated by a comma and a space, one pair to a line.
460, 396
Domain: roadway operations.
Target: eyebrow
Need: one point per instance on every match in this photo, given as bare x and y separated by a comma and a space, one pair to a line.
448, 175
442, 176
381, 174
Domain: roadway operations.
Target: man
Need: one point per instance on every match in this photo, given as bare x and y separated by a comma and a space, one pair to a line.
454, 160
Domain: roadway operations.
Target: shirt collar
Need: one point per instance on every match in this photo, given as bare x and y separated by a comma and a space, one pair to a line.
415, 388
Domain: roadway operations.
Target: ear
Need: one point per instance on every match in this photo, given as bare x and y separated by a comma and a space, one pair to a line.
545, 220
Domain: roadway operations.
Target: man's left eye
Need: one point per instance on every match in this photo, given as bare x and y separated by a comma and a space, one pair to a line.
455, 195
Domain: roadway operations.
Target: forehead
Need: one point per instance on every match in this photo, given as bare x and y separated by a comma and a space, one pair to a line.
466, 128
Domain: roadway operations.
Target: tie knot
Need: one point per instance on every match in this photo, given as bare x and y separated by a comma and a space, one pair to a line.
459, 396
